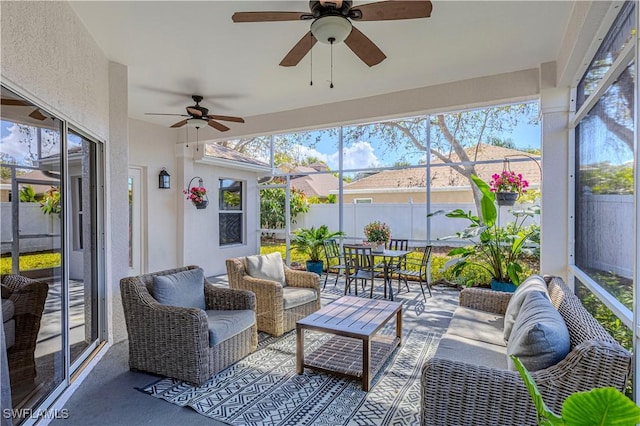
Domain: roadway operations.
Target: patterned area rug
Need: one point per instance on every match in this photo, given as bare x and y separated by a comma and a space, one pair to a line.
264, 389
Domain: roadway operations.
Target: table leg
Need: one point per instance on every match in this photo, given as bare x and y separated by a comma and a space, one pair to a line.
299, 349
387, 280
366, 361
399, 327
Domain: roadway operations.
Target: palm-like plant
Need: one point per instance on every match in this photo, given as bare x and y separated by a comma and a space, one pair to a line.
311, 240
495, 249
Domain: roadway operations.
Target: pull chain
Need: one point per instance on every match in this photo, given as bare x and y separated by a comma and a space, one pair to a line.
331, 40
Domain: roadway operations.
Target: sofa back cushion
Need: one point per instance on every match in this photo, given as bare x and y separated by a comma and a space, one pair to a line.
185, 289
540, 337
533, 283
266, 267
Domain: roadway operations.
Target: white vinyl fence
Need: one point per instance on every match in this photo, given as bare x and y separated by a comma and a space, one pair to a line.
406, 220
32, 222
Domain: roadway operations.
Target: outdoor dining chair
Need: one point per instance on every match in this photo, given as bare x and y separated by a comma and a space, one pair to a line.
360, 266
335, 260
415, 270
397, 244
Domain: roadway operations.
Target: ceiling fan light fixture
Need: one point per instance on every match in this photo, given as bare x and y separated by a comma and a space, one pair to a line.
197, 123
326, 28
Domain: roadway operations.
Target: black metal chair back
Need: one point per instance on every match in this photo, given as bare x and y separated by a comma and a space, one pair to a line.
417, 271
359, 265
335, 260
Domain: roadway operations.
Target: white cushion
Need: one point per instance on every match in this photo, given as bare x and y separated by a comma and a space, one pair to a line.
296, 296
266, 267
540, 337
533, 283
477, 325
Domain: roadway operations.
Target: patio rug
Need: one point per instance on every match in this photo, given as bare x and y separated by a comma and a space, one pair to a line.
264, 389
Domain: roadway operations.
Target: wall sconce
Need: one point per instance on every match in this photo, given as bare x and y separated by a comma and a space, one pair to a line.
164, 179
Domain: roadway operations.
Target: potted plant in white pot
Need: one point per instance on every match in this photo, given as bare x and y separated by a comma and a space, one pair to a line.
310, 241
497, 250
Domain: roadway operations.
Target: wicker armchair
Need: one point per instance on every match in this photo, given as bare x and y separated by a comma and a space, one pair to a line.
454, 392
271, 315
174, 341
28, 297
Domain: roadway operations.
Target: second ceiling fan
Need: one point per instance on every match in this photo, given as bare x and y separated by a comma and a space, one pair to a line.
332, 24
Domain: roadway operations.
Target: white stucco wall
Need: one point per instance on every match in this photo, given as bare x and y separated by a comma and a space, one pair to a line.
48, 56
151, 148
200, 227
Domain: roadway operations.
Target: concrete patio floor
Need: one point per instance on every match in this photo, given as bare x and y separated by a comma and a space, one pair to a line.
109, 396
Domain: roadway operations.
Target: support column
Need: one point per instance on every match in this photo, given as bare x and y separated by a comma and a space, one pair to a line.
555, 221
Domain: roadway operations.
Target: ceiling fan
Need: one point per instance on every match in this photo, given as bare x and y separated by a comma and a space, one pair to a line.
199, 117
36, 114
332, 24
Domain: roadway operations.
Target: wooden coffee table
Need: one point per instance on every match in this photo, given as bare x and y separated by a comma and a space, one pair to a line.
355, 349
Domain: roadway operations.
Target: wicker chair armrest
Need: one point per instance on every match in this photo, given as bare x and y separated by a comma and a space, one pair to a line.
464, 394
28, 296
165, 329
302, 279
485, 300
222, 298
453, 390
5, 292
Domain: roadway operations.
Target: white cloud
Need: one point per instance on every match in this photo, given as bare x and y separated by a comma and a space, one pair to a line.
301, 152
12, 145
360, 155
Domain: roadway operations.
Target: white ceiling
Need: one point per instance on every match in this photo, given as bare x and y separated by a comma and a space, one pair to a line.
175, 49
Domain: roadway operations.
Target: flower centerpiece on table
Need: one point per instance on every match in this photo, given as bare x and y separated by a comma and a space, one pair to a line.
196, 194
508, 181
377, 233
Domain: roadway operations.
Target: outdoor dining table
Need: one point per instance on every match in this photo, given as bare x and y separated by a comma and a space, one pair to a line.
387, 259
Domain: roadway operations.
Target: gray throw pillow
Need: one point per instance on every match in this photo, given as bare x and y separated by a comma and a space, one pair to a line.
533, 283
266, 267
185, 289
540, 337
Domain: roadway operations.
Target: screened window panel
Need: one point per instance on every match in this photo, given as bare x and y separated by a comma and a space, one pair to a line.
618, 36
604, 188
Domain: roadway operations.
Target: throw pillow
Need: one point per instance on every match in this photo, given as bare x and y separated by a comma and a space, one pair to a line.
185, 288
533, 283
540, 337
266, 267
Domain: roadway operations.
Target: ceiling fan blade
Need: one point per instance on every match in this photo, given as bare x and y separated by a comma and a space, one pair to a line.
299, 51
226, 118
161, 113
390, 10
37, 115
268, 16
180, 123
218, 126
14, 102
194, 111
364, 48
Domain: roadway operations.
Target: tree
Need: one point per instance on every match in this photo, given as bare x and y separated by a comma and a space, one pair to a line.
272, 207
451, 134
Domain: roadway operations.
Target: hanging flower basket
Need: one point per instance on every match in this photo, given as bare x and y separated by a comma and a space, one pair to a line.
201, 205
506, 198
197, 195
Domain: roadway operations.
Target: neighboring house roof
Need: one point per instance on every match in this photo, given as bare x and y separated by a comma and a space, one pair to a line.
446, 176
221, 155
45, 182
317, 184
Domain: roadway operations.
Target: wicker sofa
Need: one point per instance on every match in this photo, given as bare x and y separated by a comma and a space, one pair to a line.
458, 389
23, 302
273, 316
174, 341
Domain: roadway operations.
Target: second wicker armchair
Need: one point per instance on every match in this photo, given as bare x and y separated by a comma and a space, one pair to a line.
279, 304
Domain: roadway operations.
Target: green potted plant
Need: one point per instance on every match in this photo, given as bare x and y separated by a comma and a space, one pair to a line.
498, 250
600, 406
310, 241
377, 234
